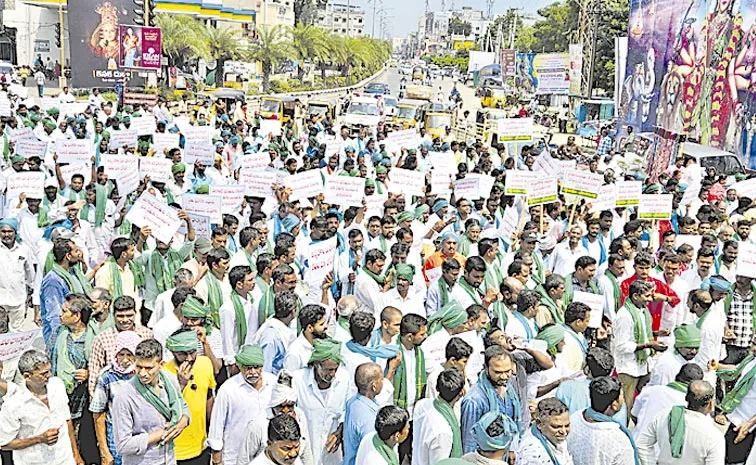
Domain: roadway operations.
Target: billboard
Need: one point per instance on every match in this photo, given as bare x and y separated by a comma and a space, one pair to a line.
94, 41
479, 60
689, 72
508, 62
576, 68
543, 73
139, 47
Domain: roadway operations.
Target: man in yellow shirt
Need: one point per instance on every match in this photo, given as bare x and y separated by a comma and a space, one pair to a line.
197, 381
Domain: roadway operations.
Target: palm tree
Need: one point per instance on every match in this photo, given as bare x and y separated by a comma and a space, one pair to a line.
223, 44
181, 37
270, 48
307, 43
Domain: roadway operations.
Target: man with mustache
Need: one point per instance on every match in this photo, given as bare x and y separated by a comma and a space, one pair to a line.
545, 442
284, 443
243, 397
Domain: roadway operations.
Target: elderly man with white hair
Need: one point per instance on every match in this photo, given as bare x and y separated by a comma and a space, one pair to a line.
283, 399
344, 309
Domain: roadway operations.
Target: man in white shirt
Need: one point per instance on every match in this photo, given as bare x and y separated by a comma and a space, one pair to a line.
700, 442
522, 325
35, 422
369, 284
401, 296
391, 428
312, 320
17, 279
567, 252
655, 399
703, 269
711, 324
283, 447
238, 321
436, 434
468, 290
634, 340
547, 437
687, 341
243, 396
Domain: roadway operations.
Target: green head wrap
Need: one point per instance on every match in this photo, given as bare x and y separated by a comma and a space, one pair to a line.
128, 108
405, 271
326, 349
143, 144
369, 183
17, 159
202, 122
553, 335
421, 210
185, 341
126, 119
687, 337
34, 117
105, 135
652, 189
250, 356
404, 216
192, 308
411, 151
49, 124
178, 168
449, 316
53, 112
380, 169
203, 189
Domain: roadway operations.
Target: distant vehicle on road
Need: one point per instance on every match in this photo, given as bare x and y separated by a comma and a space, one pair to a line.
389, 105
377, 88
362, 112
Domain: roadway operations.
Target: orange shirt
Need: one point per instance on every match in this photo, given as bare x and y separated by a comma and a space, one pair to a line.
438, 258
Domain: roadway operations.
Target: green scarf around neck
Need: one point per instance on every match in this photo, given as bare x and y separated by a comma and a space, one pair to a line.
240, 319
676, 429
387, 453
173, 410
744, 385
641, 356
378, 279
214, 297
163, 268
401, 383
447, 412
101, 199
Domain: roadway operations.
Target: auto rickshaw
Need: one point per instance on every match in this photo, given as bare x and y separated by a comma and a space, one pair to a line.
418, 73
435, 123
274, 107
493, 97
410, 112
323, 107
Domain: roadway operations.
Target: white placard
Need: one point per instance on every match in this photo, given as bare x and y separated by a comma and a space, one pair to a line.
509, 224
72, 108
515, 129
231, 196
48, 103
441, 182
583, 184
12, 345
485, 184
628, 193
30, 183
128, 183
406, 182
183, 123
197, 133
320, 260
258, 183
199, 151
542, 191
747, 260
77, 151
745, 188
5, 107
165, 140
607, 198
269, 126
375, 205
84, 169
333, 145
466, 188
693, 240
201, 225
443, 162
694, 190
344, 190
516, 181
596, 302
152, 212
22, 133
21, 91
256, 161
144, 125
655, 207
31, 148
157, 168
398, 139
123, 138
204, 205
118, 166
304, 185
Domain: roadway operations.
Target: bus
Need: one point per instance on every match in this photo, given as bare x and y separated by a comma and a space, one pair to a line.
491, 75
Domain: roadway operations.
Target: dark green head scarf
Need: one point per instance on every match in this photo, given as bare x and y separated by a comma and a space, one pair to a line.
326, 349
405, 271
250, 356
687, 337
450, 316
185, 341
192, 308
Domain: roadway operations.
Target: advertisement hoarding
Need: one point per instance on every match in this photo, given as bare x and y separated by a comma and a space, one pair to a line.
140, 47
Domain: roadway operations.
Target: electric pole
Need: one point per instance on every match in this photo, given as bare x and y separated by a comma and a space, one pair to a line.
490, 8
589, 17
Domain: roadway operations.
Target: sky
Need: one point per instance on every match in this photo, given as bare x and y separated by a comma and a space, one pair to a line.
404, 14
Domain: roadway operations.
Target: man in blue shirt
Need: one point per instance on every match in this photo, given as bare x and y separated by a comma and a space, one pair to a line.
361, 409
493, 387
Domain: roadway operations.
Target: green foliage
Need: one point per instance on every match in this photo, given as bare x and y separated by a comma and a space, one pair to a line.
448, 60
506, 22
459, 27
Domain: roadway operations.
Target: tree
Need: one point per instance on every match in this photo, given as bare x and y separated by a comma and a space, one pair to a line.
307, 44
270, 48
613, 17
181, 38
506, 22
223, 45
553, 32
459, 27
304, 11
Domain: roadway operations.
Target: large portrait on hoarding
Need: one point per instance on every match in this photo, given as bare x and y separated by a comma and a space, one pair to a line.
104, 39
131, 48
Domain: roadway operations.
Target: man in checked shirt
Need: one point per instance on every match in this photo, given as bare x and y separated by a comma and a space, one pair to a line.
739, 311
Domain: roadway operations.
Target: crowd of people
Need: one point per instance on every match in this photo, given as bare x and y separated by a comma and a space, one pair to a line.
444, 329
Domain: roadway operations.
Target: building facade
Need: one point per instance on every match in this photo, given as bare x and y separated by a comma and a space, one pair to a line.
342, 19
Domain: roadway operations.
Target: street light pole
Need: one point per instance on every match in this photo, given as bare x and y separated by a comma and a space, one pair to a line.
375, 4
62, 46
349, 20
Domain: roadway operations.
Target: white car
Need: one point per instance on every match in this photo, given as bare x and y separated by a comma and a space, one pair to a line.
390, 105
362, 112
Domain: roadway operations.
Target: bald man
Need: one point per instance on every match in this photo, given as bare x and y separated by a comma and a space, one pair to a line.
344, 309
361, 409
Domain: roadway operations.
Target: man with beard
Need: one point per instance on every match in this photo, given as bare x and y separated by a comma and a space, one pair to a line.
275, 335
18, 277
467, 291
103, 346
63, 278
32, 221
322, 391
403, 296
319, 232
350, 261
567, 252
492, 393
439, 293
149, 413
592, 243
109, 384
244, 396
284, 443
196, 378
199, 177
545, 442
312, 320
177, 185
83, 233
237, 315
